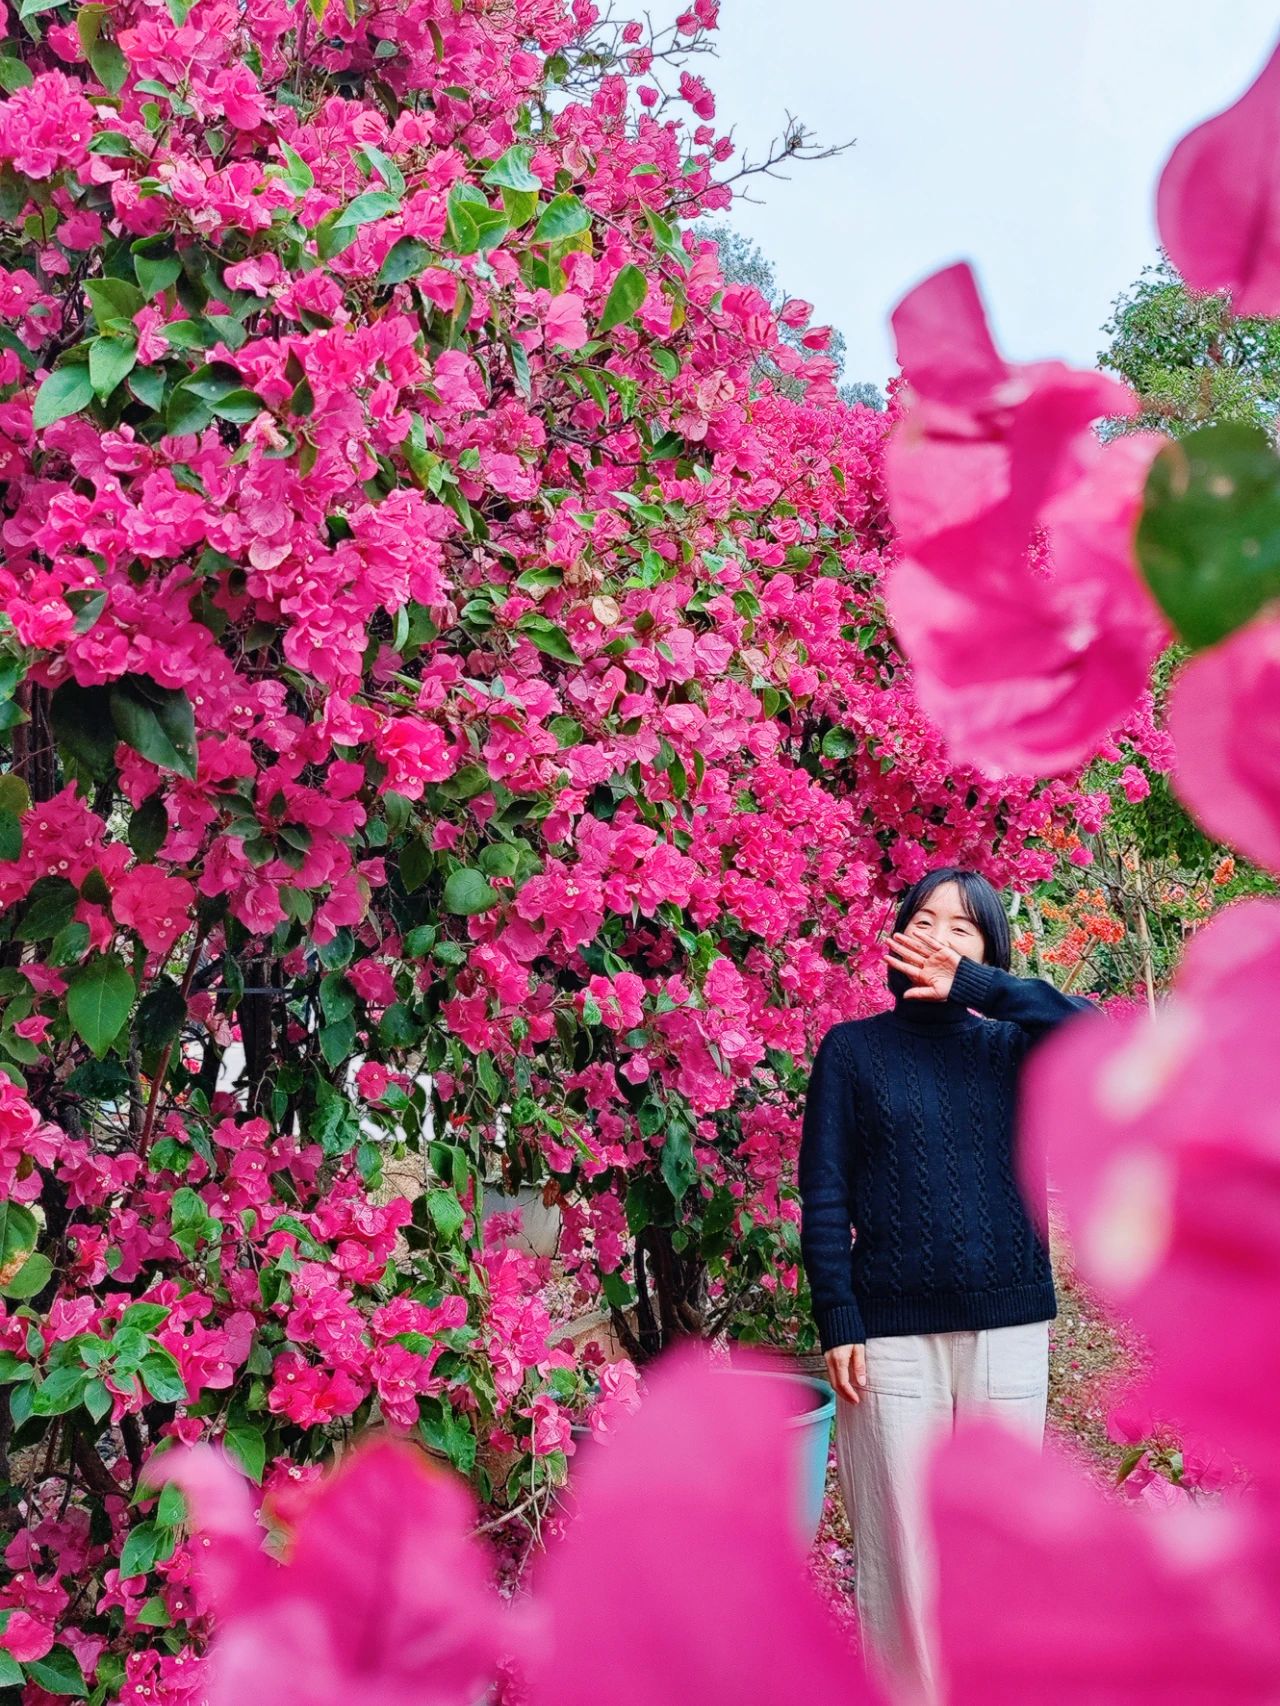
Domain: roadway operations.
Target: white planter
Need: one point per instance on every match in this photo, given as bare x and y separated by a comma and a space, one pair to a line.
540, 1225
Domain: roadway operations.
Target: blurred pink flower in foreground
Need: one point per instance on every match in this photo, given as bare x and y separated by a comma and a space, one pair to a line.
1060, 1596
1029, 630
1224, 716
681, 1574
1218, 205
1163, 1136
386, 1598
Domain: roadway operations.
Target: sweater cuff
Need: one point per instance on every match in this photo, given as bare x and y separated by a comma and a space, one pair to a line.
841, 1325
972, 985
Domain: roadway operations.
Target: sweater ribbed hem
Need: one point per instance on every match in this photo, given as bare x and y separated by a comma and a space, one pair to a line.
841, 1325
958, 1311
971, 984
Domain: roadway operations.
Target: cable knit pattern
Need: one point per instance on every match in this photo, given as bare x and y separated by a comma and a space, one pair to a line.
982, 1205
908, 1134
951, 1159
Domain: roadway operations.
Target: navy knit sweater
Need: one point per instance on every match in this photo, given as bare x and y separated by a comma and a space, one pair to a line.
908, 1142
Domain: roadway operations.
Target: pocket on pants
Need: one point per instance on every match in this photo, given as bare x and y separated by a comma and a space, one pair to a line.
1017, 1360
893, 1367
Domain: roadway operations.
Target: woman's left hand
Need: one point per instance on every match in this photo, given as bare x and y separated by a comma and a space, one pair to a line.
930, 965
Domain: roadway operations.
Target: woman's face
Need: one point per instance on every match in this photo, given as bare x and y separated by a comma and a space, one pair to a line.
942, 917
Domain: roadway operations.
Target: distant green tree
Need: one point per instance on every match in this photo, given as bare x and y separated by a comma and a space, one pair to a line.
1188, 360
1191, 365
743, 262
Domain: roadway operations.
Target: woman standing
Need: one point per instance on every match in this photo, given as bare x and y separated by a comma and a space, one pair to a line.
941, 1308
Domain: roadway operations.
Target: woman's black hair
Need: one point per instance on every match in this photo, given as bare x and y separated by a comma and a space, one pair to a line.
980, 903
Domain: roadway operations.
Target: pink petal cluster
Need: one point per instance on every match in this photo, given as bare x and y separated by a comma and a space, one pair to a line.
1029, 630
1218, 206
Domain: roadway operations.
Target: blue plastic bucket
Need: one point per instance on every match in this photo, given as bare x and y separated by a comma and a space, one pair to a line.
809, 1428
809, 1431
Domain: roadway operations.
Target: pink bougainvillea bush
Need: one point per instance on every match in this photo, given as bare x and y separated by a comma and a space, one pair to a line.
1164, 1134
452, 716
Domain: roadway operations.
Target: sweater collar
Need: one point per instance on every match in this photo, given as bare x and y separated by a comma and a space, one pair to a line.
932, 1016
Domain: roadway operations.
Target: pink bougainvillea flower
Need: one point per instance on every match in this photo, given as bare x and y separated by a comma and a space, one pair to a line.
1028, 628
386, 1597
565, 324
1218, 205
1048, 1591
1026, 668
26, 1638
685, 1547
1163, 1137
1224, 716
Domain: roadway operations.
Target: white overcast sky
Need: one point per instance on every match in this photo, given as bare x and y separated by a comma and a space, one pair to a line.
1024, 135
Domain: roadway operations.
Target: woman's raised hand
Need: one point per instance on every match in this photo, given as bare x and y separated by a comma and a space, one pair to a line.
930, 965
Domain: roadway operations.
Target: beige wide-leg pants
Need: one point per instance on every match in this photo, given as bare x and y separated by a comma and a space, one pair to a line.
918, 1385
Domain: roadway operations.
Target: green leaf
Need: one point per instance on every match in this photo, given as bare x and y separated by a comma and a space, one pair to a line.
299, 177
385, 167
113, 143
30, 8
247, 1445
103, 55
626, 295
839, 743
160, 1015
337, 1042
446, 1212
110, 360
368, 206
50, 908
161, 1377
157, 267
13, 75
82, 725
10, 837
10, 1671
147, 385
512, 171
473, 224
185, 412
445, 1430
144, 1317
115, 301
61, 1391
99, 999
108, 65
148, 827
564, 217
406, 258
337, 998
547, 636
31, 1278
18, 1232
141, 1549
239, 406
64, 392
519, 206
59, 1673
679, 1167
466, 891
666, 362
155, 721
1209, 537
172, 1508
